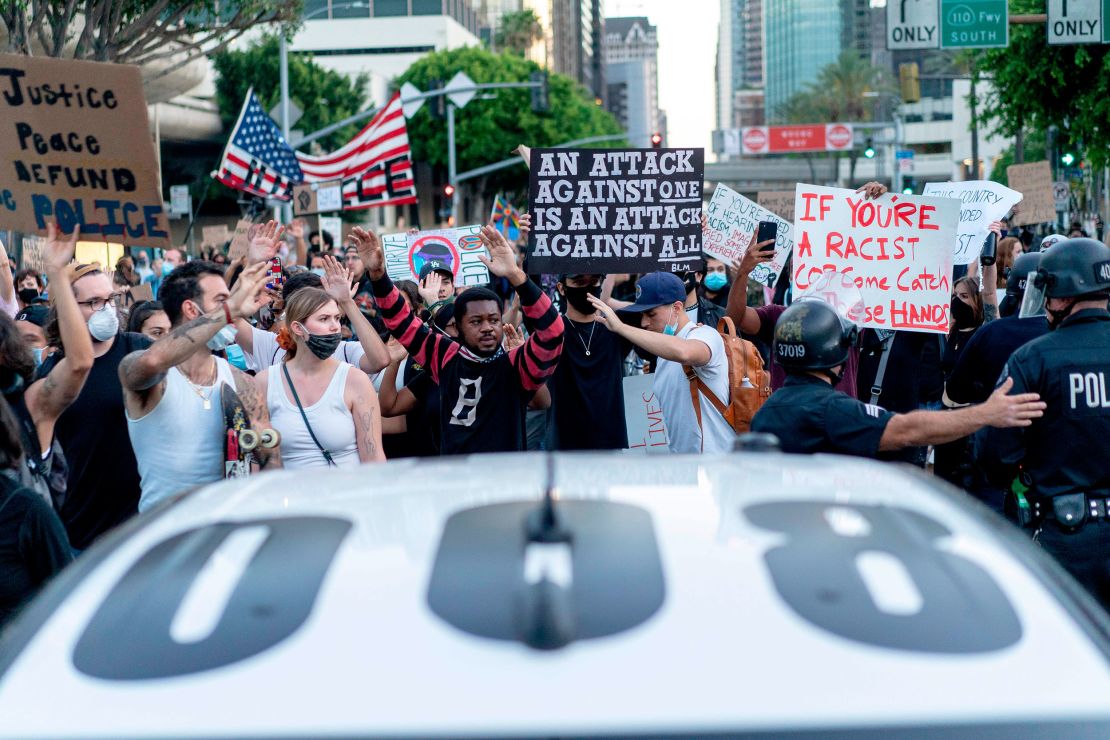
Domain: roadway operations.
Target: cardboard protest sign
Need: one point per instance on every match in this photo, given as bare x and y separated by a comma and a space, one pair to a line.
33, 255
981, 203
615, 210
240, 240
778, 202
1034, 182
731, 222
647, 432
897, 249
214, 236
459, 249
142, 292
318, 197
76, 150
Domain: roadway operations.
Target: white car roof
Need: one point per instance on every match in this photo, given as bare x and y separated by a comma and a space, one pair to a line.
895, 605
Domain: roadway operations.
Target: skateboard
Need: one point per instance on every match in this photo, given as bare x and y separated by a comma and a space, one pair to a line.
242, 441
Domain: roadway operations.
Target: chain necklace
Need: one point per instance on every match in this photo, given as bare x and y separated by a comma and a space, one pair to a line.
206, 399
585, 343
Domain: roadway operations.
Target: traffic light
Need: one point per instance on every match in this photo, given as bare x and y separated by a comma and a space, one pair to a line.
539, 93
448, 190
869, 151
1067, 159
656, 141
437, 106
909, 80
908, 186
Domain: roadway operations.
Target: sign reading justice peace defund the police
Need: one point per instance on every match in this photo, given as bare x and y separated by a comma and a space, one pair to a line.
75, 149
897, 249
615, 210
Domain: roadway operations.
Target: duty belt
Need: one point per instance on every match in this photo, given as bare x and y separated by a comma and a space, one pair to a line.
1071, 511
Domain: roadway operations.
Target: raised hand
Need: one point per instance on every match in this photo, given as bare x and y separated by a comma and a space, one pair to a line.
511, 338
1002, 410
525, 153
525, 225
430, 287
296, 228
337, 280
249, 294
58, 250
756, 254
502, 257
370, 251
397, 353
872, 190
606, 315
996, 227
264, 242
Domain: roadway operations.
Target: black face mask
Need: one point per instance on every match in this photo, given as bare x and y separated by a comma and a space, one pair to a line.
963, 315
1055, 318
323, 345
28, 295
691, 282
578, 298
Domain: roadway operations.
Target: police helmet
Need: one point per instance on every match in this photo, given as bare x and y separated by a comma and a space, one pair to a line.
811, 335
1017, 280
1074, 267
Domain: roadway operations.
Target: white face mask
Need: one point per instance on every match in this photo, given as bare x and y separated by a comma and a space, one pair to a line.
104, 324
223, 338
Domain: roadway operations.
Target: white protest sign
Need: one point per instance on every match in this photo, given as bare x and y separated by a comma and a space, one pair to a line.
731, 221
459, 249
981, 203
334, 226
897, 248
647, 432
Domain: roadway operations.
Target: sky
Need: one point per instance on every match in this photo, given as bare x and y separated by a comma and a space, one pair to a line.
687, 31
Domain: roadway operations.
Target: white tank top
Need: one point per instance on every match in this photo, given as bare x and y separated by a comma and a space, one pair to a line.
180, 443
330, 418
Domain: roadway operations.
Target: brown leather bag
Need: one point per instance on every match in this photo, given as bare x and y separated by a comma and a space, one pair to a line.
749, 383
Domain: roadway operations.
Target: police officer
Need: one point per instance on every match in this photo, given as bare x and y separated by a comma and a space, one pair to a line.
976, 372
1062, 455
808, 415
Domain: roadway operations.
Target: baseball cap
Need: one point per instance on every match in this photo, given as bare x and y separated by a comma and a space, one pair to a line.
34, 314
1051, 239
656, 289
431, 266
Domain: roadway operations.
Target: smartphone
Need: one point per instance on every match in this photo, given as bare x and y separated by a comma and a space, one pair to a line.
276, 279
767, 230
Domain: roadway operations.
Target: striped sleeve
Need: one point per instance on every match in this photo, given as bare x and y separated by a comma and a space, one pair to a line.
536, 359
427, 348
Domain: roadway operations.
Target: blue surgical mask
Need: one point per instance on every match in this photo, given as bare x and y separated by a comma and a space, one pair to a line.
224, 337
318, 271
671, 329
235, 357
716, 280
167, 268
37, 352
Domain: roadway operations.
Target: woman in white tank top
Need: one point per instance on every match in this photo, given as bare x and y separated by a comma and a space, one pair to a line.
343, 426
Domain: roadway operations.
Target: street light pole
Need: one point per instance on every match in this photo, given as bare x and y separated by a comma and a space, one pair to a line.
451, 161
283, 65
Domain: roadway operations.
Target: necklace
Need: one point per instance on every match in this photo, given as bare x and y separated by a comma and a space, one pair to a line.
206, 399
585, 343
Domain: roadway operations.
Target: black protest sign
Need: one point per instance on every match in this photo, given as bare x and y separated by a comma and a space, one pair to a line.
76, 150
615, 210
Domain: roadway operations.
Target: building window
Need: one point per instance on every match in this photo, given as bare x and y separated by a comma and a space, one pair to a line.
427, 7
350, 8
384, 8
315, 9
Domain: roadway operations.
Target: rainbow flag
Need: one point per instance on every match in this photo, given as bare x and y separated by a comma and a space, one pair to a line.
505, 218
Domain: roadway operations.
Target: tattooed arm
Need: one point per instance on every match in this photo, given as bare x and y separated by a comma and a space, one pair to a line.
251, 394
363, 402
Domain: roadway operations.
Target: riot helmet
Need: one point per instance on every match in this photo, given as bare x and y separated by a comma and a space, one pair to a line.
1074, 268
812, 335
1016, 281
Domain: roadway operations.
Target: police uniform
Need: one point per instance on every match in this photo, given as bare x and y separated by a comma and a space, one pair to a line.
808, 415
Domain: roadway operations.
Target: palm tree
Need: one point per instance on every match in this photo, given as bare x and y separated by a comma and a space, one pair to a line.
518, 31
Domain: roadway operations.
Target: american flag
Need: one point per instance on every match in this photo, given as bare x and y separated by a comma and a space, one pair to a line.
375, 166
257, 158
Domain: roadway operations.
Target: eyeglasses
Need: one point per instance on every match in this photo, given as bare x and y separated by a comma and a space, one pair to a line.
98, 304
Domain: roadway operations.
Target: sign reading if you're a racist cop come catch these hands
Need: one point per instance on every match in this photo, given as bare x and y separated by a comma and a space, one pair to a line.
76, 150
615, 210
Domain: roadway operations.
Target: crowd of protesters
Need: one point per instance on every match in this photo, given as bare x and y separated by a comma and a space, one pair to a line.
114, 406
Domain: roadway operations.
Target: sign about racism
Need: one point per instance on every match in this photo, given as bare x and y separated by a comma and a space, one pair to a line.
896, 248
778, 202
981, 203
643, 415
1034, 182
458, 249
615, 210
76, 150
731, 223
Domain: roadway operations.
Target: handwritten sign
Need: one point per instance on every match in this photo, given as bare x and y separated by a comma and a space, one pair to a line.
317, 197
33, 254
615, 210
214, 236
76, 150
731, 222
240, 240
459, 249
647, 432
896, 248
778, 202
981, 203
1034, 182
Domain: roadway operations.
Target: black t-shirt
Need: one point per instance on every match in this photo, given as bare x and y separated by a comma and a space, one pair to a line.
587, 393
808, 415
904, 371
33, 546
103, 485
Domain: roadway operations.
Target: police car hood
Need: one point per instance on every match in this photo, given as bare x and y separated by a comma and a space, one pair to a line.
701, 594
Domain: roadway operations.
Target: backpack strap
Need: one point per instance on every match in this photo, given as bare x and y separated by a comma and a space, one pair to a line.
880, 374
304, 416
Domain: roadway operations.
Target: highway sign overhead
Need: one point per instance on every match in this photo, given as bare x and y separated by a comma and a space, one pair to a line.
1075, 21
974, 24
912, 24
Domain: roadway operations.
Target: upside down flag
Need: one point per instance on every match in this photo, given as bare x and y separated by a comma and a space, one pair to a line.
257, 159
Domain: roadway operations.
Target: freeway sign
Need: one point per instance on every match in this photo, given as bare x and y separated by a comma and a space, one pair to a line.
1075, 21
912, 24
974, 24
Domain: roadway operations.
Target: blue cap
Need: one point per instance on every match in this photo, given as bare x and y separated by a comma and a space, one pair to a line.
657, 289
